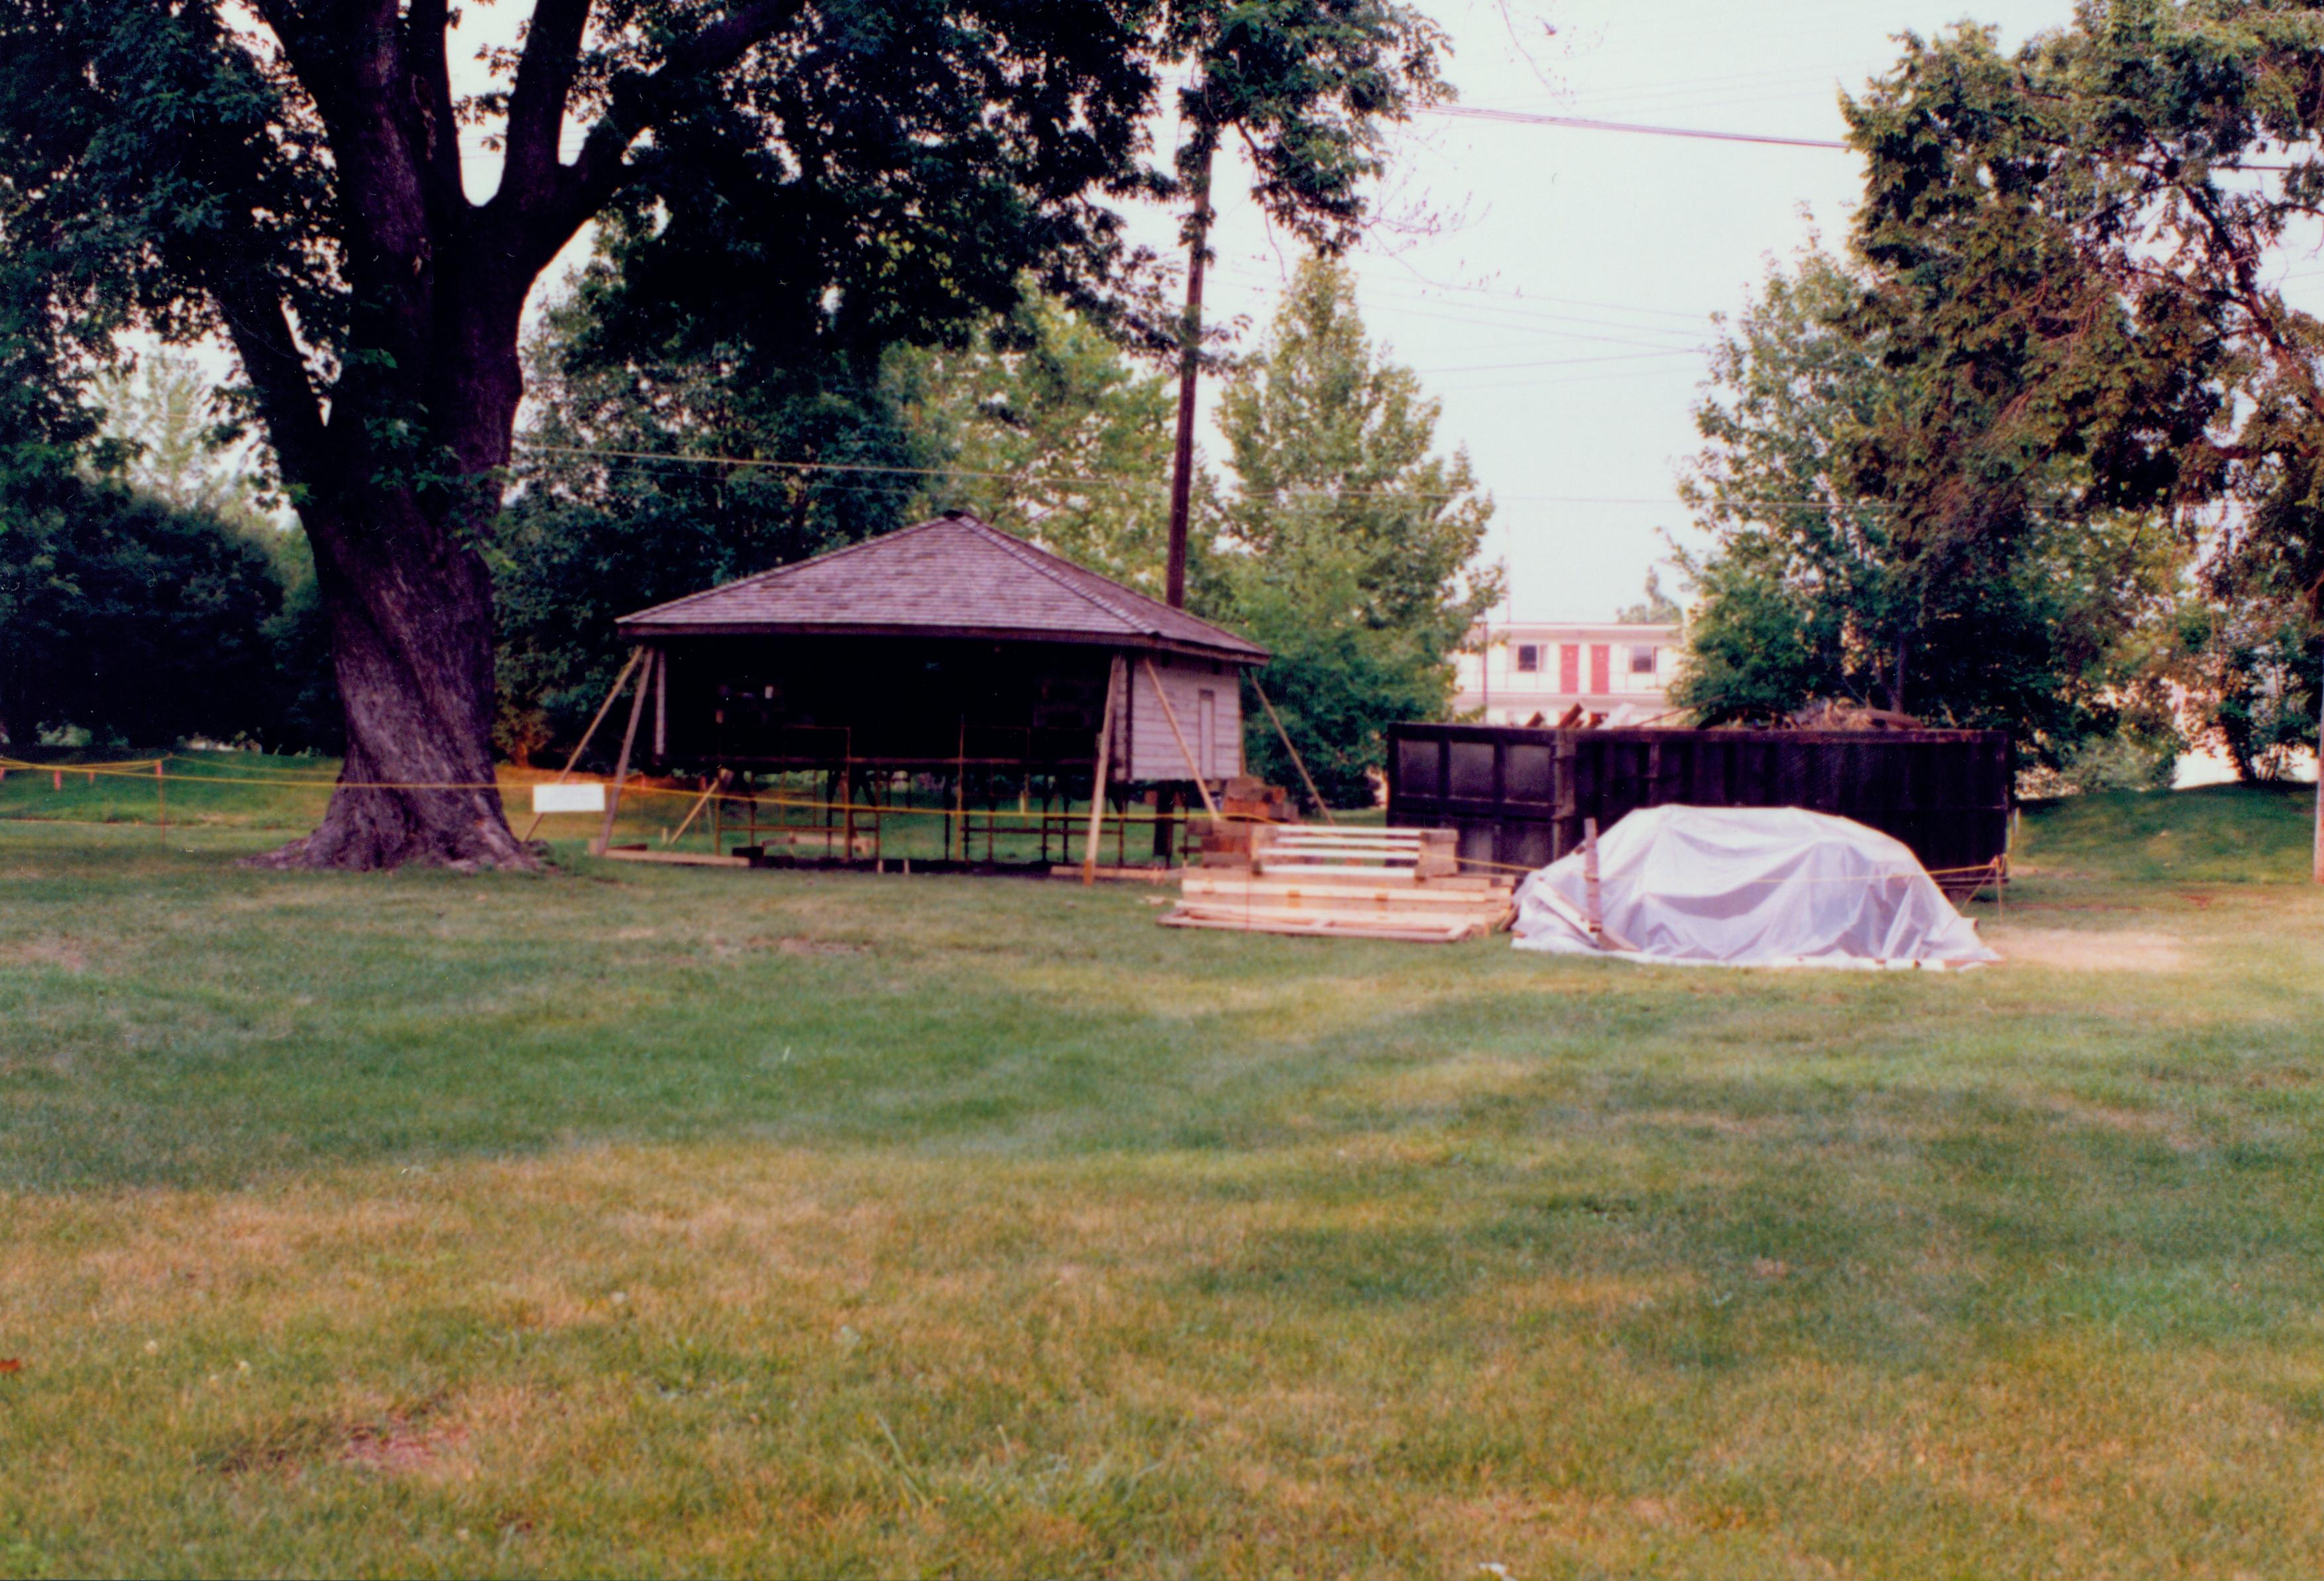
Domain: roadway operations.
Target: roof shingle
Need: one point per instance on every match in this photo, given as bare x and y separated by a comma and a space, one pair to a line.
951, 576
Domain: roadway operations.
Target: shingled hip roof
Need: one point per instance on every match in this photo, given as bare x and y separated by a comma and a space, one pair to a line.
953, 576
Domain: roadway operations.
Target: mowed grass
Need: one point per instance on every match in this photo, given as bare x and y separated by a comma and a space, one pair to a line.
654, 1221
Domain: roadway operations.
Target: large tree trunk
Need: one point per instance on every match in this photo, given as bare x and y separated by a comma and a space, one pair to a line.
410, 606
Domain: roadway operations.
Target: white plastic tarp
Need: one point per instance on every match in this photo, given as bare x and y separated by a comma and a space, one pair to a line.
1748, 886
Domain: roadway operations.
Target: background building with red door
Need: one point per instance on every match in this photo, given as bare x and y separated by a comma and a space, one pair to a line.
1517, 671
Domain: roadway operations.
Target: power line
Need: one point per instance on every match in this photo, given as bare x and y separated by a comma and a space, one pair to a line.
665, 457
1415, 286
1434, 373
1582, 123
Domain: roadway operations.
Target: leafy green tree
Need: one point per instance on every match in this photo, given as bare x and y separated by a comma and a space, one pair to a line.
1348, 544
840, 176
1832, 576
138, 623
2104, 202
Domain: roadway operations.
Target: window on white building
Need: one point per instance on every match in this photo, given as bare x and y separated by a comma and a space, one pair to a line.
1528, 656
1642, 661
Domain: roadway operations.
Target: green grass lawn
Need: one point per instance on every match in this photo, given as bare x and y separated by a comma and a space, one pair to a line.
669, 1221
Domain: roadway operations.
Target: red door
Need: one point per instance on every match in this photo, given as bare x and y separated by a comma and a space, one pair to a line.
1601, 667
1569, 669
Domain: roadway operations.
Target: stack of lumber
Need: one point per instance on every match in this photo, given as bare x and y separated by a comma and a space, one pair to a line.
1403, 884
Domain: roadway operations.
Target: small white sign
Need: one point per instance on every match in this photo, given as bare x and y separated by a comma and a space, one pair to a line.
568, 798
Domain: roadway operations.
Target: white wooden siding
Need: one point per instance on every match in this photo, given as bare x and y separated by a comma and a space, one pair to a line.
1143, 742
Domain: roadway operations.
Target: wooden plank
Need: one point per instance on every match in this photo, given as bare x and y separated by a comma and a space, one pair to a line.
1402, 877
1488, 912
1368, 903
1296, 760
622, 768
1113, 681
1327, 905
674, 859
1338, 841
1399, 934
1139, 874
1269, 891
1352, 834
1170, 715
1363, 926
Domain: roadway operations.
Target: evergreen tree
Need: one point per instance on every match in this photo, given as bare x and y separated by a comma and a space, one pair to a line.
1348, 544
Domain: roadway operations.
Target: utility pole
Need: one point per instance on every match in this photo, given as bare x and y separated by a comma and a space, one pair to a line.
1190, 364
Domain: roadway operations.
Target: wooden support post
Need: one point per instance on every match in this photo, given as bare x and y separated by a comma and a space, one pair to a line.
661, 703
161, 797
1593, 908
717, 781
1115, 677
621, 768
1170, 715
567, 772
1296, 761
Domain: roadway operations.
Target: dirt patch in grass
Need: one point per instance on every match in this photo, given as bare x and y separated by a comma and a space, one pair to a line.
2170, 1129
818, 947
2073, 950
393, 1447
397, 1443
59, 952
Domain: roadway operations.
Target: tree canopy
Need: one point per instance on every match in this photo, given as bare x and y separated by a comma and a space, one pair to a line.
2077, 240
1834, 575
